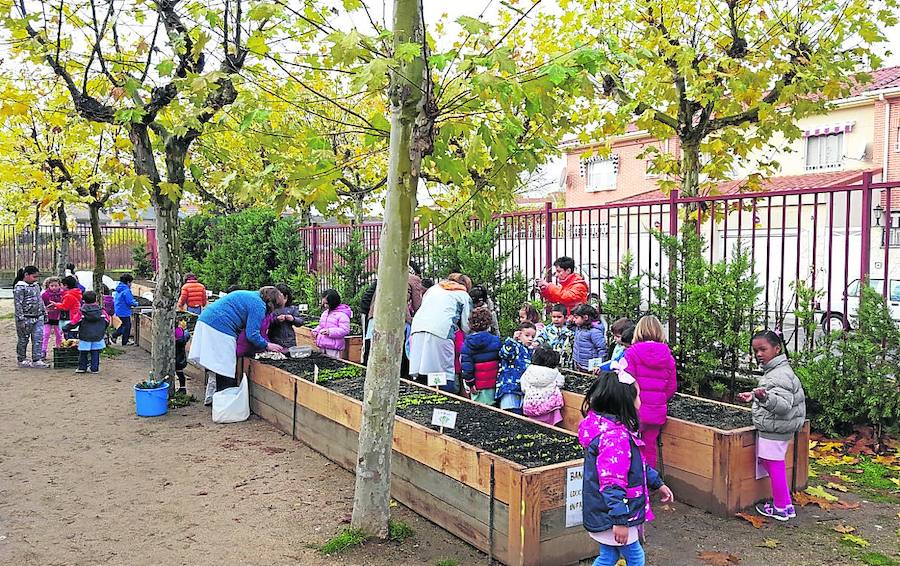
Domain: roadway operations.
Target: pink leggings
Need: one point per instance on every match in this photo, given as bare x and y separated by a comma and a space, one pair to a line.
56, 332
781, 493
650, 434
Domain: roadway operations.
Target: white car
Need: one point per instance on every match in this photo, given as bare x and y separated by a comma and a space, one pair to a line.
837, 319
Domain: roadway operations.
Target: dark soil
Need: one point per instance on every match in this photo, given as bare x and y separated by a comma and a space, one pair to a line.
577, 382
709, 414
521, 441
142, 302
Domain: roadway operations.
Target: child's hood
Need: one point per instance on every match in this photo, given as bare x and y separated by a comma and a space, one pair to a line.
482, 341
541, 376
344, 309
594, 425
91, 312
651, 354
76, 292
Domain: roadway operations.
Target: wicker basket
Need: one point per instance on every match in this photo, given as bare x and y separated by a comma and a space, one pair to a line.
65, 358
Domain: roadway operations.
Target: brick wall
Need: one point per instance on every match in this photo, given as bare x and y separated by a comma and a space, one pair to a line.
893, 168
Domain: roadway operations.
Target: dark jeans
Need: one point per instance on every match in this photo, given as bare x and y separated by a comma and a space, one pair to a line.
124, 330
94, 357
180, 374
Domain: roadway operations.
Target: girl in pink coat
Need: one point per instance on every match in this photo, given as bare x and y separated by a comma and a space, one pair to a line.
334, 324
650, 361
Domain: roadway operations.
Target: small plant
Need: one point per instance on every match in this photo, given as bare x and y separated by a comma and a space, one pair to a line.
348, 538
446, 562
143, 266
110, 352
623, 293
352, 274
150, 383
805, 310
399, 531
179, 400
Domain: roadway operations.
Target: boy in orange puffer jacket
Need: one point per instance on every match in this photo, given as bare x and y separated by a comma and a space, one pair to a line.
193, 295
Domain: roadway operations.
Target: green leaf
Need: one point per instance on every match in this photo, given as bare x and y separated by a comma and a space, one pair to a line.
557, 74
407, 51
352, 5
472, 25
165, 67
256, 43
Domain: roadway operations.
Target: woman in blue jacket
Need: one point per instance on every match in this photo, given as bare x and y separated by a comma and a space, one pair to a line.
123, 303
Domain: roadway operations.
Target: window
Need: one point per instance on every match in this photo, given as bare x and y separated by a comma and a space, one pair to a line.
648, 173
897, 145
824, 152
601, 174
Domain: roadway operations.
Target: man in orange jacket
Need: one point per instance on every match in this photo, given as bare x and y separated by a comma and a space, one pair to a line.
571, 289
193, 295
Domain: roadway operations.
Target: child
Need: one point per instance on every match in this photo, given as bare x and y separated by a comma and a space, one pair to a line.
515, 357
616, 477
30, 316
193, 295
181, 339
590, 337
70, 303
334, 324
52, 294
480, 357
125, 301
480, 298
530, 314
558, 336
779, 409
91, 323
623, 333
650, 361
283, 320
540, 383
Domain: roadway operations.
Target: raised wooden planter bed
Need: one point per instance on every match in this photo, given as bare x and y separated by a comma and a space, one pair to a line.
512, 509
708, 467
352, 353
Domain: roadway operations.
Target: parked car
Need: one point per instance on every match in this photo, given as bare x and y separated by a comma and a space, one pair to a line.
837, 319
86, 278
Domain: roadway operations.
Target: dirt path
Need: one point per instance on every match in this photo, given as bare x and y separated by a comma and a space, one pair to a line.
83, 481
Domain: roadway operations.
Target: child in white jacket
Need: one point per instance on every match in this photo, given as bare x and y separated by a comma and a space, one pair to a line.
541, 384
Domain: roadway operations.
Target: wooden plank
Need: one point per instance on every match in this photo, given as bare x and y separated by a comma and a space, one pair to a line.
516, 524
531, 519
688, 431
687, 455
571, 411
570, 548
692, 489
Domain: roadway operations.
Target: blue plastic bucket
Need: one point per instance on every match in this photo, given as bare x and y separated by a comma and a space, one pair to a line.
151, 402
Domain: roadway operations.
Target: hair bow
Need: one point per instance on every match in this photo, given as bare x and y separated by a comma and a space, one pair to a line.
619, 366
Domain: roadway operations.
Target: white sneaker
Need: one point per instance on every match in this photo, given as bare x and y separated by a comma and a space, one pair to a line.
25, 364
40, 364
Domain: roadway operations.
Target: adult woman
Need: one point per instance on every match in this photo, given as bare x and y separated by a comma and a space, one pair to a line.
445, 309
215, 336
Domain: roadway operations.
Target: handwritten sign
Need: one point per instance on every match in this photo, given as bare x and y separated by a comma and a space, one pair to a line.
443, 418
573, 496
437, 379
595, 363
303, 307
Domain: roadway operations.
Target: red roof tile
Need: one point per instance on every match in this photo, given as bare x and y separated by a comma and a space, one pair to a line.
885, 77
773, 185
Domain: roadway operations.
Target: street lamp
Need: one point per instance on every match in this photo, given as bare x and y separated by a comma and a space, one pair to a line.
879, 211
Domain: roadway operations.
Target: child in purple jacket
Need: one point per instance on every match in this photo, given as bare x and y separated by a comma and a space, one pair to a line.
650, 361
617, 480
334, 324
53, 293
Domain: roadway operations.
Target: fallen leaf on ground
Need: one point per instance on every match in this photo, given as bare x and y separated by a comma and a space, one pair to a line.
272, 449
718, 558
843, 529
836, 487
754, 520
803, 499
858, 541
845, 505
885, 460
667, 508
818, 491
862, 446
770, 543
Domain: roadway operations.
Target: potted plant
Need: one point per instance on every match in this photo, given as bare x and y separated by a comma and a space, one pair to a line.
151, 397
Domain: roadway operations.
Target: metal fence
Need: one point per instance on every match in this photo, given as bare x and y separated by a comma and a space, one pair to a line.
17, 247
829, 237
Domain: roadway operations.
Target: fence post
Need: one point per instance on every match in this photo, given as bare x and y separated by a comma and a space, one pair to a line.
150, 233
548, 239
673, 231
313, 248
866, 225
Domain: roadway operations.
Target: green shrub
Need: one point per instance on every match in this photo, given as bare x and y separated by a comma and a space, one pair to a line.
471, 253
352, 274
713, 306
348, 538
143, 265
851, 377
510, 296
806, 297
196, 234
399, 531
623, 293
242, 252
292, 263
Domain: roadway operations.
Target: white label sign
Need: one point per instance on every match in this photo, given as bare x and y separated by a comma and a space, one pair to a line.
303, 307
443, 418
595, 363
573, 496
437, 379
315, 373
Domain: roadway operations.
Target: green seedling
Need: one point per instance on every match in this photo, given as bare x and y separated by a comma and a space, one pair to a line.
348, 538
399, 531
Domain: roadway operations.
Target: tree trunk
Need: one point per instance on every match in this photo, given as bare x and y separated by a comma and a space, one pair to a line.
65, 238
359, 210
690, 168
35, 234
99, 246
371, 499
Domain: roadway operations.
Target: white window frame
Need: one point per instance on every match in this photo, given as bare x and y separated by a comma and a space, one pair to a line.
821, 150
647, 173
608, 180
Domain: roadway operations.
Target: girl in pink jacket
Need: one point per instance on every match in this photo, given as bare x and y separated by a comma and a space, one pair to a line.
650, 361
334, 324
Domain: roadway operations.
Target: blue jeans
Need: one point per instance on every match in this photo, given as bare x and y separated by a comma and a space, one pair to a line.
92, 357
632, 553
124, 330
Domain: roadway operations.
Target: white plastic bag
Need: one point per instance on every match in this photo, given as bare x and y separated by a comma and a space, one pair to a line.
232, 405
